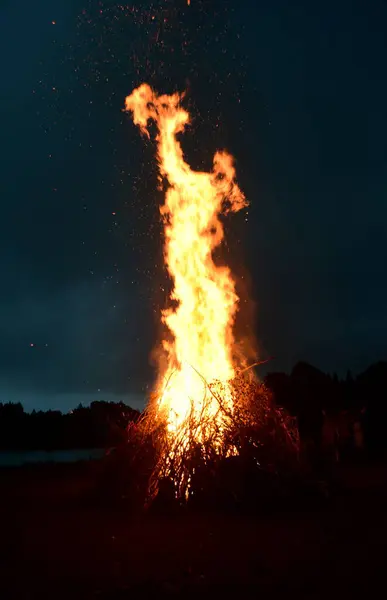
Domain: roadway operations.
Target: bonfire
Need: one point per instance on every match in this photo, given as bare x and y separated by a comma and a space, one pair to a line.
206, 397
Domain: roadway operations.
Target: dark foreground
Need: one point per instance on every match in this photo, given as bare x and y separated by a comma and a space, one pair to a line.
58, 543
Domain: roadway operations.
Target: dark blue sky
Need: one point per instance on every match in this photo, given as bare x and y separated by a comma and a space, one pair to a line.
296, 91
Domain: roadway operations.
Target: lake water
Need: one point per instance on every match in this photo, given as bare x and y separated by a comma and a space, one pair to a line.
17, 459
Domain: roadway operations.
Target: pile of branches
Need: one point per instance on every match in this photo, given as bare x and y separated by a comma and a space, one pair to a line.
252, 444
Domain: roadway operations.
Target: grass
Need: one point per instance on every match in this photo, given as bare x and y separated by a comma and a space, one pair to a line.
58, 543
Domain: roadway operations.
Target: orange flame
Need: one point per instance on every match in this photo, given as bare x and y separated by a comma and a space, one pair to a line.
200, 354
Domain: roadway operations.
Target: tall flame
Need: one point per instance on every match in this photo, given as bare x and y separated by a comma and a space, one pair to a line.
200, 351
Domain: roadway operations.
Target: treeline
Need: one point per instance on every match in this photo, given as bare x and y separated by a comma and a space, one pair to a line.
323, 404
328, 406
100, 425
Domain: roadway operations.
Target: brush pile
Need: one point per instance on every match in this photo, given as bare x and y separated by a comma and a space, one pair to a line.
255, 443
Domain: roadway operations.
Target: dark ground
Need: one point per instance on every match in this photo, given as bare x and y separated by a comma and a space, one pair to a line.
56, 543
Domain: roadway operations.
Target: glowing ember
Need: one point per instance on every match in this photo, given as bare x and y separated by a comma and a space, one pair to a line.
200, 349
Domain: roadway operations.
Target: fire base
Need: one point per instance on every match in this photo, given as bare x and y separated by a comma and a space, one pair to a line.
258, 442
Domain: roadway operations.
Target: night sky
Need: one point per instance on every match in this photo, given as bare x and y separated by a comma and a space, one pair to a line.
296, 91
